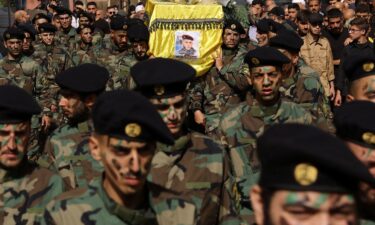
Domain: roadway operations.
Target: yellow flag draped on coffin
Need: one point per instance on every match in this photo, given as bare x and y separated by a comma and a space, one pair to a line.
190, 33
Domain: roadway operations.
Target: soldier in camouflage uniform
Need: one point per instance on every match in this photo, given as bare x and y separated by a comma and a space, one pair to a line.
301, 84
66, 37
127, 127
240, 126
81, 49
223, 86
67, 147
190, 178
355, 124
54, 59
23, 72
138, 36
25, 189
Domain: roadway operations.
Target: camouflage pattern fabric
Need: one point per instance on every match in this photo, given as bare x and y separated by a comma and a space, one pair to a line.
367, 222
80, 53
217, 91
67, 152
93, 206
25, 191
240, 128
66, 39
190, 182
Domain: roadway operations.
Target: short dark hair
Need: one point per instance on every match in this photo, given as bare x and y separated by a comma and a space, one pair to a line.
78, 2
303, 16
361, 23
257, 2
334, 13
294, 6
92, 3
312, 1
362, 8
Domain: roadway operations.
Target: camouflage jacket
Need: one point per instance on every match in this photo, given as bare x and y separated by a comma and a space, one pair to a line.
92, 206
67, 152
217, 91
305, 89
190, 182
82, 54
25, 192
242, 125
21, 72
66, 40
121, 77
54, 60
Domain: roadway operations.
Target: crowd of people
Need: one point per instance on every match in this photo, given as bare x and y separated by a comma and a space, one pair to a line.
94, 129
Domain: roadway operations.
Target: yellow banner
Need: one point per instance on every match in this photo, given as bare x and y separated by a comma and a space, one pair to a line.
189, 33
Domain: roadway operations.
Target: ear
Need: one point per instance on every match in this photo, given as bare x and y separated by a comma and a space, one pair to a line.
257, 203
295, 59
90, 100
5, 44
94, 148
349, 98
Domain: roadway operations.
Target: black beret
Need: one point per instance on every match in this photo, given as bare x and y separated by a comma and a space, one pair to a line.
288, 40
138, 32
13, 33
355, 121
277, 11
28, 28
102, 26
16, 105
86, 14
63, 11
359, 65
85, 78
267, 25
118, 23
41, 15
161, 77
81, 27
47, 27
265, 56
304, 158
315, 18
188, 37
128, 115
234, 25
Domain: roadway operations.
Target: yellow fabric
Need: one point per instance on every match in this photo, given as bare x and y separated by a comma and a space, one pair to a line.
171, 22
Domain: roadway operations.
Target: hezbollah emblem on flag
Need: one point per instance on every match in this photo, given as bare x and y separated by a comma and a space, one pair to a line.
189, 33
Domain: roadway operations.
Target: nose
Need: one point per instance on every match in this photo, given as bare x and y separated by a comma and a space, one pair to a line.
134, 161
266, 81
172, 113
11, 144
63, 101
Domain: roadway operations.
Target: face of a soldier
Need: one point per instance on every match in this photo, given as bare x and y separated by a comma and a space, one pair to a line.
72, 105
315, 28
292, 14
366, 155
65, 21
262, 39
84, 21
355, 32
314, 6
335, 25
303, 28
187, 44
126, 163
14, 46
363, 89
26, 44
256, 10
173, 111
91, 9
86, 35
47, 37
13, 143
231, 38
140, 49
120, 38
306, 208
266, 82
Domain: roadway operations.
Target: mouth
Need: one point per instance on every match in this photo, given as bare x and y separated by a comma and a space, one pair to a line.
132, 181
10, 155
267, 91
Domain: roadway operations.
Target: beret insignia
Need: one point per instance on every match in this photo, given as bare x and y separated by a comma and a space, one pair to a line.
125, 27
133, 130
233, 26
159, 90
367, 67
305, 174
7, 35
255, 61
368, 137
